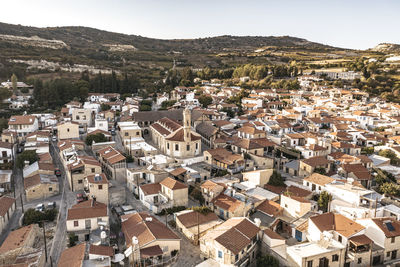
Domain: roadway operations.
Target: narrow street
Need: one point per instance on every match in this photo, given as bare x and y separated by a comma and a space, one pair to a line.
67, 200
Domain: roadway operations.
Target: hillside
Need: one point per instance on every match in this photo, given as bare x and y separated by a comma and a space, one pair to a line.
75, 49
387, 48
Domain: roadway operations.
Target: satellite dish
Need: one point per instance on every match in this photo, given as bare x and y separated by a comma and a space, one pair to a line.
135, 240
119, 257
103, 234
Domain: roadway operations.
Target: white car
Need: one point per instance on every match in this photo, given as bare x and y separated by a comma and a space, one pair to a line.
54, 138
40, 207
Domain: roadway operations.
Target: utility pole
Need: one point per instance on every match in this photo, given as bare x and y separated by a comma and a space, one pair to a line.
44, 238
198, 228
22, 203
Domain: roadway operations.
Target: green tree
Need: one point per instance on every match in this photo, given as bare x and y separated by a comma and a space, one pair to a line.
394, 160
320, 171
72, 239
205, 100
390, 189
14, 81
267, 260
323, 201
4, 93
276, 179
104, 107
97, 138
27, 155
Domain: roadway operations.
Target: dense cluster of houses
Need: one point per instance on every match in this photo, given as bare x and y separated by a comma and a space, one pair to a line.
259, 168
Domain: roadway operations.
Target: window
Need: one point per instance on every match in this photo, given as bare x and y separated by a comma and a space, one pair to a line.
76, 223
4, 153
187, 147
335, 257
93, 170
176, 147
126, 134
393, 239
167, 145
50, 189
388, 254
236, 258
100, 186
340, 238
67, 129
309, 263
220, 254
77, 117
359, 260
137, 133
197, 145
80, 181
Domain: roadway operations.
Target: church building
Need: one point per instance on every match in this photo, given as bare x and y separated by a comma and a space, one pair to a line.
175, 140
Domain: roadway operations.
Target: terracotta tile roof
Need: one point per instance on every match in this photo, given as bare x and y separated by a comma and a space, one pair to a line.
239, 236
270, 208
337, 222
145, 229
275, 189
31, 181
316, 161
22, 120
250, 130
173, 184
73, 257
359, 240
179, 136
178, 171
45, 158
247, 144
6, 145
111, 155
87, 209
384, 225
271, 234
159, 128
226, 202
319, 179
225, 156
151, 189
189, 219
358, 170
6, 203
16, 239
102, 179
150, 252
101, 250
298, 192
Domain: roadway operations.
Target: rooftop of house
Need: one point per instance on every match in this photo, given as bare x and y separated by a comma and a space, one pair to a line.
336, 222
87, 209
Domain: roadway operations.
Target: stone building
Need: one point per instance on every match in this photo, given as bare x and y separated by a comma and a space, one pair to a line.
175, 140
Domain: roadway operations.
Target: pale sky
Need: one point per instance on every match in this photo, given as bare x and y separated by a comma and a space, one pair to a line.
357, 24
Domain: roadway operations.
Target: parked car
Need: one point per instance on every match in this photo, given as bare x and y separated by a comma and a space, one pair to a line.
79, 198
54, 138
112, 132
40, 207
57, 172
51, 205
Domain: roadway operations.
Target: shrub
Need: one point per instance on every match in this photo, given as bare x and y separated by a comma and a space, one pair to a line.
27, 155
33, 216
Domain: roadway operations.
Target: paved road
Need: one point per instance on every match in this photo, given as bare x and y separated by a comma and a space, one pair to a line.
67, 199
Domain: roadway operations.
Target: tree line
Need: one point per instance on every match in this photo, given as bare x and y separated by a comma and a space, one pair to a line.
57, 92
